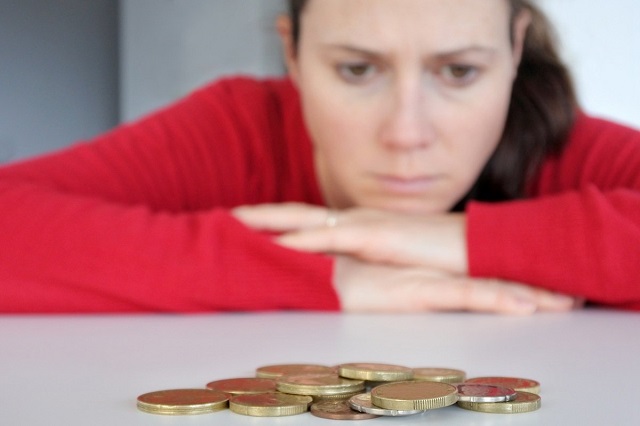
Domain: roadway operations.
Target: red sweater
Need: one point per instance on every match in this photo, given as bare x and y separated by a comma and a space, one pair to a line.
137, 219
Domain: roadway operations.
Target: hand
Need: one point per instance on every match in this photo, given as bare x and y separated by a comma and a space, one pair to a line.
366, 287
432, 241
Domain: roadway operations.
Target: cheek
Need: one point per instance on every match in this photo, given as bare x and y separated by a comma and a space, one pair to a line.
338, 130
477, 129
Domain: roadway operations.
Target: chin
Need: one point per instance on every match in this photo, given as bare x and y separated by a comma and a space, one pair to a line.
412, 207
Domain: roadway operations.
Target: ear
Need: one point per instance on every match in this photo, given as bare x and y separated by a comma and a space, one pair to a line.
521, 24
283, 25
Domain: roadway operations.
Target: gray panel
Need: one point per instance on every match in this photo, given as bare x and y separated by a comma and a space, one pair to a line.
58, 73
169, 47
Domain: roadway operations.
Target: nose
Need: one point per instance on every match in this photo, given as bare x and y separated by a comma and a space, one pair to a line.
407, 124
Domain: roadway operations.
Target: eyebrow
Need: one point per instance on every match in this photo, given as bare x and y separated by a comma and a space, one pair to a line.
439, 55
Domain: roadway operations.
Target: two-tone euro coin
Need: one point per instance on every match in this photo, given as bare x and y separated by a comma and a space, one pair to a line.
471, 392
515, 383
362, 403
524, 402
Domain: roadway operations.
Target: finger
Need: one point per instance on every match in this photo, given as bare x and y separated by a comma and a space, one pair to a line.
361, 242
487, 295
547, 301
381, 237
411, 290
361, 233
438, 295
322, 239
318, 230
555, 302
281, 217
517, 298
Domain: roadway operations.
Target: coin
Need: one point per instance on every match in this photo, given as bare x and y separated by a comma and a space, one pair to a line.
517, 384
445, 375
375, 372
362, 402
276, 371
242, 386
338, 410
336, 397
318, 385
269, 404
182, 401
472, 392
525, 402
414, 395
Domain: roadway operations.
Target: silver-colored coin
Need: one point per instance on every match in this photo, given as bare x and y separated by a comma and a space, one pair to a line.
362, 403
515, 383
484, 393
525, 402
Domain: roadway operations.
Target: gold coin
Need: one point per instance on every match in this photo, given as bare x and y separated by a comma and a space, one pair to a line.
445, 375
523, 385
338, 410
269, 404
414, 395
318, 385
182, 402
525, 402
375, 372
276, 371
336, 397
243, 386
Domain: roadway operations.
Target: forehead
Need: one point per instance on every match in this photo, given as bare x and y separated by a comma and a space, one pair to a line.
438, 24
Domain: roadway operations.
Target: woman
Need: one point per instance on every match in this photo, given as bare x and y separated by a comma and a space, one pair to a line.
423, 155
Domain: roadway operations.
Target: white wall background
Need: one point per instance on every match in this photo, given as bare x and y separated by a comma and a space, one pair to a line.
601, 42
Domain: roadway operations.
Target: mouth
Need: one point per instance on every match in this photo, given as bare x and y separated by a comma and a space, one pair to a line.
407, 185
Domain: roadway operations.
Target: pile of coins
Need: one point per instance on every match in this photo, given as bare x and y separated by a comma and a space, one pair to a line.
353, 391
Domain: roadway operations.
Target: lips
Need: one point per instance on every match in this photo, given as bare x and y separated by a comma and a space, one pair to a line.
407, 185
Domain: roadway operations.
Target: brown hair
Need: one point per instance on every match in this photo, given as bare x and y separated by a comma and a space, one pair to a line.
541, 113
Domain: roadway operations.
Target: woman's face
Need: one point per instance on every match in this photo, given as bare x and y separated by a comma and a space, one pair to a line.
405, 100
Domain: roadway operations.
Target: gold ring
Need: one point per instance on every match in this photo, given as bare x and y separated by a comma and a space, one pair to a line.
331, 220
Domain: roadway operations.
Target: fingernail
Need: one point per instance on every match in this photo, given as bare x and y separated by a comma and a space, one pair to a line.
562, 301
524, 306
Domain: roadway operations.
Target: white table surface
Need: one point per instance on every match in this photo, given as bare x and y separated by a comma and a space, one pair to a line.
88, 370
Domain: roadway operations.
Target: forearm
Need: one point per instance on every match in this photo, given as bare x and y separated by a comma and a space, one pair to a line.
585, 244
65, 253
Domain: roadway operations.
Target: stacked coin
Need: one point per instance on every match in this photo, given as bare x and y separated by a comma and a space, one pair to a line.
523, 396
363, 404
242, 386
320, 386
339, 410
351, 391
446, 375
375, 372
182, 402
269, 404
280, 370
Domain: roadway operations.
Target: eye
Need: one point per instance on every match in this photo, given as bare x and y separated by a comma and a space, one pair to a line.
459, 74
356, 72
